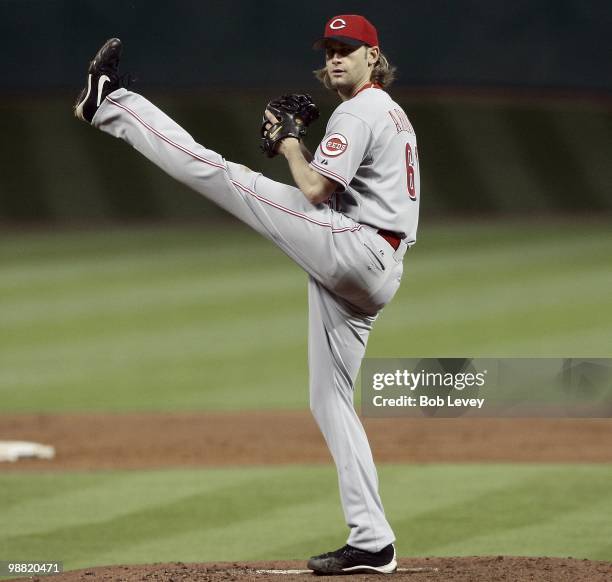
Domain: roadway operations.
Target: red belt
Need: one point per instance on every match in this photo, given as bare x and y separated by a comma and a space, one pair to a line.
392, 238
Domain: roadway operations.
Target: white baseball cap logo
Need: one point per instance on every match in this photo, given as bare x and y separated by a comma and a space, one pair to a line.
337, 24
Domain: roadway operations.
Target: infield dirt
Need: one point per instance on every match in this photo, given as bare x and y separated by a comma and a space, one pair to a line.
155, 440
470, 569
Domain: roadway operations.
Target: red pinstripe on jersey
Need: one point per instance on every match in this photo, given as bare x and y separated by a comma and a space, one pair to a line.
329, 173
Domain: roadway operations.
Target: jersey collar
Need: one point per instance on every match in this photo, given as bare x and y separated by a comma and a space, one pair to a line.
368, 86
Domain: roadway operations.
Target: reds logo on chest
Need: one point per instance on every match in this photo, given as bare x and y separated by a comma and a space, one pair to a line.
334, 145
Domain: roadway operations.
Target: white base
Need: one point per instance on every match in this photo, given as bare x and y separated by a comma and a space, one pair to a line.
12, 451
423, 569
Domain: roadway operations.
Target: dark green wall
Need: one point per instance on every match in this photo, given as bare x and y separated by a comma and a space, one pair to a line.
214, 64
477, 155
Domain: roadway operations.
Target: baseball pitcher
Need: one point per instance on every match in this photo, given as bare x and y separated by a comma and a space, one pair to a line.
348, 224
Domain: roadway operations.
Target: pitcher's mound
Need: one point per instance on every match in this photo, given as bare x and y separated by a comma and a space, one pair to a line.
472, 569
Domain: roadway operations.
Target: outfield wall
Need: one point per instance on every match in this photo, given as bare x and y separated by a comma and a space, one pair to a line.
490, 154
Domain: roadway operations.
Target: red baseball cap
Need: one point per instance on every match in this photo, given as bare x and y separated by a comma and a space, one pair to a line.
350, 29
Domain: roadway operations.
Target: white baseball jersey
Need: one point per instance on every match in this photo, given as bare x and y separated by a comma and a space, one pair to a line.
370, 150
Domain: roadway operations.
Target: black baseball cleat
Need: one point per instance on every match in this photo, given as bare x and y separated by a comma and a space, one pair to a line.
350, 560
102, 79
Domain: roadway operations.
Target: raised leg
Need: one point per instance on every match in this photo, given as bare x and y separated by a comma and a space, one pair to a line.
340, 253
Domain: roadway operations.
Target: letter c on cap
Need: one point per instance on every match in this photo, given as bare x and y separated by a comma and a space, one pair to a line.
337, 23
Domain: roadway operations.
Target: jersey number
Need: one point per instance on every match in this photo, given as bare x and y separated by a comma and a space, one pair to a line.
410, 172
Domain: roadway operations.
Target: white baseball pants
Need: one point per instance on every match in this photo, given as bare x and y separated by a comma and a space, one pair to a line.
353, 272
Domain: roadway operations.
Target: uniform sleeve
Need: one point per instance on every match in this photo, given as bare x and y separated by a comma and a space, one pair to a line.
343, 148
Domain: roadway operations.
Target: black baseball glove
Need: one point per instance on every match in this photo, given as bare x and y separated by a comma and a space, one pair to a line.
294, 112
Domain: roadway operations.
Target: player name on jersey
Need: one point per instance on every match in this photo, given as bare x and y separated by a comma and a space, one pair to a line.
402, 123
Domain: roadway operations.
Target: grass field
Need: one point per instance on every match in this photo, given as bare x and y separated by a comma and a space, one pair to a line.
252, 514
201, 319
187, 319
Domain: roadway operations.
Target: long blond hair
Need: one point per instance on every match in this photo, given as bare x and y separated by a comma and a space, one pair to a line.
383, 73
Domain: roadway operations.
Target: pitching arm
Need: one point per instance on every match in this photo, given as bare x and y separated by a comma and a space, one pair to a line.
314, 186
